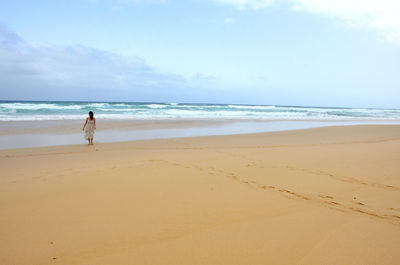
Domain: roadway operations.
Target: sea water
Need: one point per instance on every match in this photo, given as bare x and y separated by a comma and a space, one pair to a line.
54, 110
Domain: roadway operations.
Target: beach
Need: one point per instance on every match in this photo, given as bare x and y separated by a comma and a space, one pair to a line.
38, 133
327, 195
223, 132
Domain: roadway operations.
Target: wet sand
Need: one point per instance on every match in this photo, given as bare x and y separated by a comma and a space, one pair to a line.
20, 134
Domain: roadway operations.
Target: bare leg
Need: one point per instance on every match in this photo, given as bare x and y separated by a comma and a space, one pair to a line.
89, 141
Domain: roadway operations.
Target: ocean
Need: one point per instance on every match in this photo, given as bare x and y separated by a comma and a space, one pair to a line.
56, 110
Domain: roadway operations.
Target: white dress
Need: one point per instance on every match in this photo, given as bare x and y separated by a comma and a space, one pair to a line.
89, 130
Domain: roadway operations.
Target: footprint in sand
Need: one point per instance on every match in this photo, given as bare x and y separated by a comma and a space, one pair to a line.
234, 177
267, 187
326, 196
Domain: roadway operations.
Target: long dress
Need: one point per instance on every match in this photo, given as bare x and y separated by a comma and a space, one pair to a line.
89, 130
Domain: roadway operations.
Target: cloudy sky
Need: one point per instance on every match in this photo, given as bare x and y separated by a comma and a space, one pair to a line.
274, 52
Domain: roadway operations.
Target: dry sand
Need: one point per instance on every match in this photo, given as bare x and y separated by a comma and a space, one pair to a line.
319, 196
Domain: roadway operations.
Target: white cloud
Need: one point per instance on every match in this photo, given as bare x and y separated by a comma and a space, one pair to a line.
29, 70
382, 16
228, 20
142, 1
245, 4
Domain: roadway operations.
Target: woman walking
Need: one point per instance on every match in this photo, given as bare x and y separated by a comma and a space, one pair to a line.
90, 126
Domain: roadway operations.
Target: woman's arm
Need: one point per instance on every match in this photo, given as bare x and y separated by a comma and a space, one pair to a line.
85, 124
94, 123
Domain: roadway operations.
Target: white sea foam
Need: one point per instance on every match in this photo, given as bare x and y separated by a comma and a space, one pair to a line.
10, 111
28, 106
97, 105
251, 107
156, 106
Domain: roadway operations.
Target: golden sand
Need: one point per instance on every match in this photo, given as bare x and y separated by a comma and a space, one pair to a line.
319, 196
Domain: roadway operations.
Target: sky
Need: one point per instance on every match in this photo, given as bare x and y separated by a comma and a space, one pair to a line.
343, 53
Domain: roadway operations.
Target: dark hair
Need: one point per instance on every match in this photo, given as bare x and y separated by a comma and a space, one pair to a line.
91, 114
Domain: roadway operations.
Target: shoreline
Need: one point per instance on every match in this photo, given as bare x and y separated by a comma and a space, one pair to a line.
315, 196
21, 134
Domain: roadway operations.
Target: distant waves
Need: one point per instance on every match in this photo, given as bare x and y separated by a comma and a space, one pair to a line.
32, 110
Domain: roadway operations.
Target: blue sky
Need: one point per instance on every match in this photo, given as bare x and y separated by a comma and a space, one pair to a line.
274, 52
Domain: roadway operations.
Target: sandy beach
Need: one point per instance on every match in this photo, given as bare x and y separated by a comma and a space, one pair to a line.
326, 195
40, 133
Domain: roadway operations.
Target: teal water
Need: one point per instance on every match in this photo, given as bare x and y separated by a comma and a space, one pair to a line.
53, 110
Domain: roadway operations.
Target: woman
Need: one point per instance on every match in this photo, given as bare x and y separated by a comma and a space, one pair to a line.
90, 125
